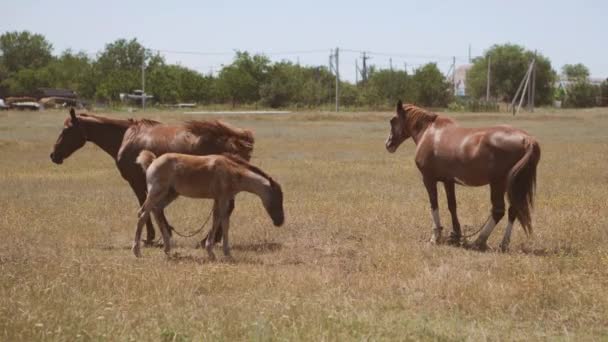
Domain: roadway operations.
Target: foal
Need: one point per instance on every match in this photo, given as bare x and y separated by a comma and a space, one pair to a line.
218, 177
502, 156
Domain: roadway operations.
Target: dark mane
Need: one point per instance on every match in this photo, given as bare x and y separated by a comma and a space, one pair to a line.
418, 117
226, 137
239, 160
118, 122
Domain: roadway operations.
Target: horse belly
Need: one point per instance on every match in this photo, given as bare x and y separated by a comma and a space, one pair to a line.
195, 185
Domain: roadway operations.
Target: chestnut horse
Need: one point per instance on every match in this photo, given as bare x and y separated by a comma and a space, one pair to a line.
502, 156
219, 177
124, 139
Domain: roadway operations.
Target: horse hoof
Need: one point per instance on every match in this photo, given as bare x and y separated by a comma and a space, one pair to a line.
504, 248
136, 252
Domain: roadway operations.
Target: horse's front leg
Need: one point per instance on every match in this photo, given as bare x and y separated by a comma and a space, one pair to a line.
218, 234
431, 187
450, 193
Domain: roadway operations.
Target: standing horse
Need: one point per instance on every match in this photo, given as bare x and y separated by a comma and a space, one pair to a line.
123, 140
502, 156
218, 177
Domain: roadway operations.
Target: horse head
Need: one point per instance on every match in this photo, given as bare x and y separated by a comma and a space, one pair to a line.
71, 138
398, 133
274, 205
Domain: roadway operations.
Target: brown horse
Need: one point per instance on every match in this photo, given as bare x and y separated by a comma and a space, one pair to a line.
123, 140
219, 177
502, 156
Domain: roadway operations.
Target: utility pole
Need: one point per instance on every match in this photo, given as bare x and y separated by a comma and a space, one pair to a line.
356, 71
337, 79
454, 75
364, 75
390, 62
143, 81
533, 84
488, 80
469, 53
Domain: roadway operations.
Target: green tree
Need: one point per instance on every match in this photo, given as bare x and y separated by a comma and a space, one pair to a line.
241, 81
582, 94
386, 87
285, 81
509, 64
118, 68
430, 87
24, 50
575, 72
73, 71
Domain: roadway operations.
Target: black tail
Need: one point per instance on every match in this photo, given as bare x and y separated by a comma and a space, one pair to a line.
521, 184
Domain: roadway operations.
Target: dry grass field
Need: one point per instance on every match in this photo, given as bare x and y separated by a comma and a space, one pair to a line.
351, 262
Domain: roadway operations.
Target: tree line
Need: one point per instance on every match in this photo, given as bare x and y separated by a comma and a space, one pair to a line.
27, 63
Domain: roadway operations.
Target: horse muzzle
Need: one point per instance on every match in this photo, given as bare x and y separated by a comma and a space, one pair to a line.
56, 159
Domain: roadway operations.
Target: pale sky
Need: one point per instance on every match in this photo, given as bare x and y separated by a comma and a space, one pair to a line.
412, 32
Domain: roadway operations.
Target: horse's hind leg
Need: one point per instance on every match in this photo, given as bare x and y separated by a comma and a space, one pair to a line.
210, 241
165, 229
225, 208
431, 188
450, 193
143, 217
506, 240
139, 188
497, 191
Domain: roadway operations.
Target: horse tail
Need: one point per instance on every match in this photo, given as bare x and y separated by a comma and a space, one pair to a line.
521, 184
144, 159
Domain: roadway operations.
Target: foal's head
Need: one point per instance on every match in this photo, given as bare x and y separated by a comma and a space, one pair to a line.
398, 133
71, 138
274, 204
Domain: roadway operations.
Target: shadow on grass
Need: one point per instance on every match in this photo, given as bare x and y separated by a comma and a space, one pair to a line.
545, 252
204, 259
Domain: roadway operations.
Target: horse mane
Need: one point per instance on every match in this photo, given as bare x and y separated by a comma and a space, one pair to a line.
418, 117
118, 122
241, 161
233, 140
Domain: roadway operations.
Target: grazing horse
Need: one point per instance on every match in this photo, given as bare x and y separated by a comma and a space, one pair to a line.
124, 139
502, 156
219, 177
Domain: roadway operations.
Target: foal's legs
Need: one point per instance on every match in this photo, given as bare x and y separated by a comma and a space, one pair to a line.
210, 241
138, 185
143, 217
155, 196
218, 234
431, 188
450, 193
504, 245
225, 224
497, 195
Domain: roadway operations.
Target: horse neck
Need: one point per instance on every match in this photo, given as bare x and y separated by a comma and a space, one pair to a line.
107, 135
256, 184
416, 126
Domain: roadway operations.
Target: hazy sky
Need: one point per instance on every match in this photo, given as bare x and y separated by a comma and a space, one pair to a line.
412, 32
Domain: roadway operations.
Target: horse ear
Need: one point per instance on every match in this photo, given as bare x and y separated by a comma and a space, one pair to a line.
73, 114
400, 110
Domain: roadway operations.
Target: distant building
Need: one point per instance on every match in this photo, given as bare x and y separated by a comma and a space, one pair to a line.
460, 78
55, 92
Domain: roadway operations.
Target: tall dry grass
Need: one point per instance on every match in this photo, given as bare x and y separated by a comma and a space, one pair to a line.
351, 263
